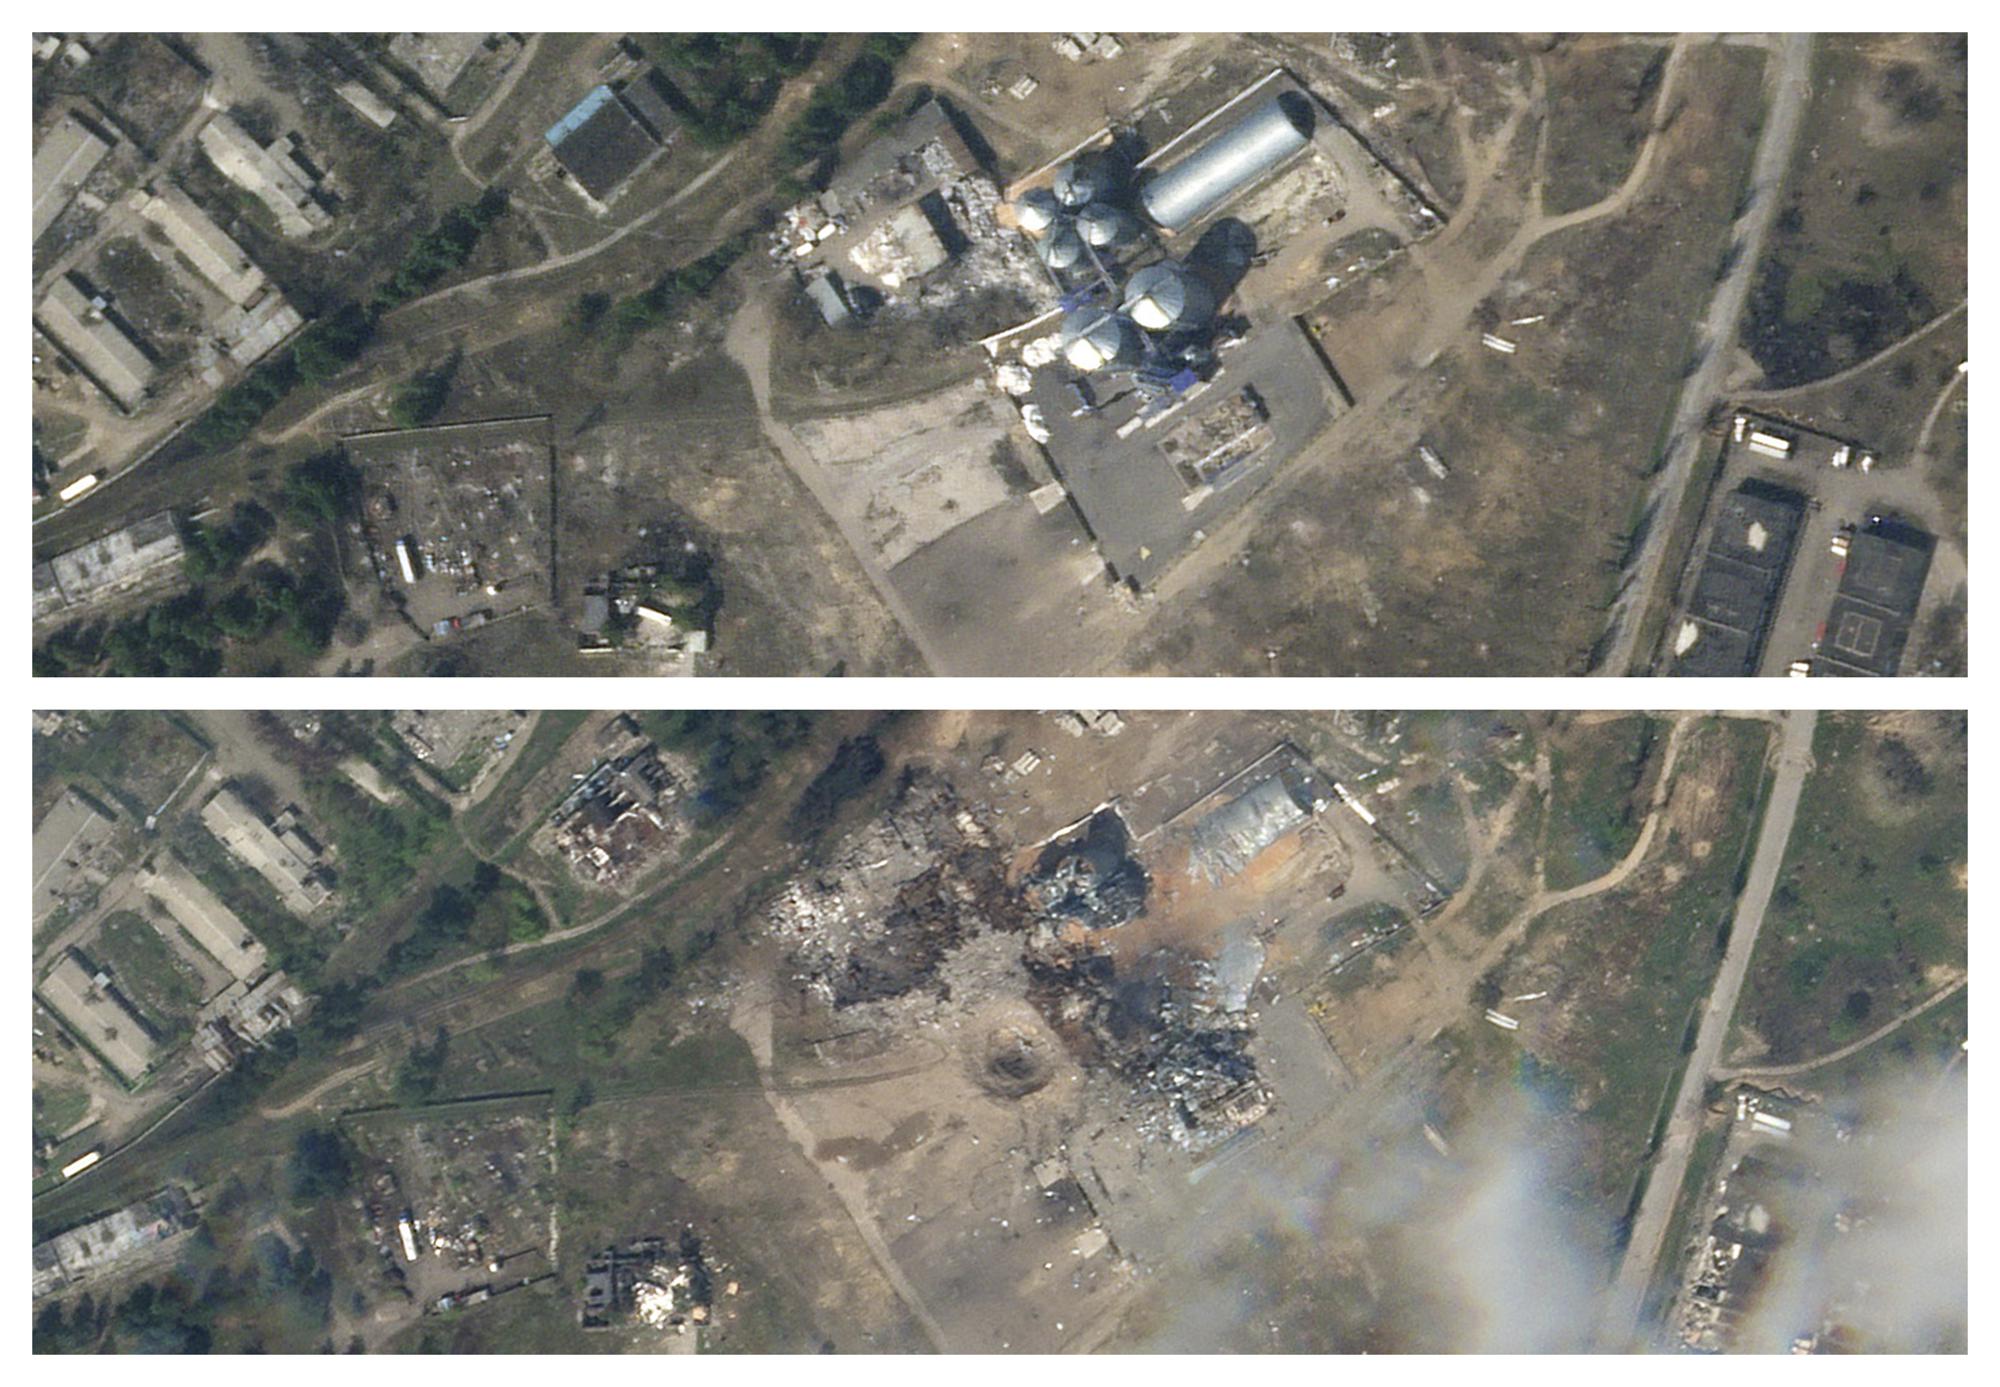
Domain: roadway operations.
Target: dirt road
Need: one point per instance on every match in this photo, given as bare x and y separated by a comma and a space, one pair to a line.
1787, 87
1895, 1023
1620, 1327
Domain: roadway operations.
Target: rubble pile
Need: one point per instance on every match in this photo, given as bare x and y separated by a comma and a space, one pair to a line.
914, 886
1089, 880
1163, 1029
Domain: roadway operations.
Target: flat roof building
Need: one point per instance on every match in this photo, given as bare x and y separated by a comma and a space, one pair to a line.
96, 343
99, 1017
278, 851
82, 1252
272, 175
64, 160
207, 246
119, 560
1736, 593
609, 135
1876, 603
213, 925
65, 838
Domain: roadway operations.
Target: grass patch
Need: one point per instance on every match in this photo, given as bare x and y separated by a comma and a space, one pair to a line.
152, 976
1869, 915
1603, 777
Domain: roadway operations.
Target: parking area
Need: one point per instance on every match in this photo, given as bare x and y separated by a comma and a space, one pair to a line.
1122, 474
1855, 507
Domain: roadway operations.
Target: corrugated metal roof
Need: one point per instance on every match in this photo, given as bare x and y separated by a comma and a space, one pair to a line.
1240, 155
581, 112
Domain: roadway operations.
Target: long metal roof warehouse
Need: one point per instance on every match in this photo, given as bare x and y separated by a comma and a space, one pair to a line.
220, 260
1238, 157
213, 925
99, 1017
62, 162
98, 345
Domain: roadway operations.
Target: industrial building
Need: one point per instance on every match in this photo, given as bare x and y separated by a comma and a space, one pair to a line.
277, 851
243, 1017
1225, 841
66, 840
64, 161
101, 347
1750, 544
273, 175
121, 560
91, 1007
211, 924
256, 317
210, 249
73, 1257
610, 135
1253, 147
1876, 603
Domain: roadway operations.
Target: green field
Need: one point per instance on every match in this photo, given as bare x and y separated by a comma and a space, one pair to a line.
153, 977
1637, 963
135, 759
1869, 917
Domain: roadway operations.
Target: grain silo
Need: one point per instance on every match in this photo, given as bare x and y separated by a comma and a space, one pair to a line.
1076, 182
1062, 247
1036, 210
1167, 297
1105, 224
1238, 157
1094, 338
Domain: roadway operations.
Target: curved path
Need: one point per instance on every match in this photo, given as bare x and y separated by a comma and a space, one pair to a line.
1780, 1071
1847, 373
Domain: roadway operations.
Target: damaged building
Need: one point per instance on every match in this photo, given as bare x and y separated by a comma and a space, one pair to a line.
623, 814
1162, 1026
1227, 840
1088, 877
916, 884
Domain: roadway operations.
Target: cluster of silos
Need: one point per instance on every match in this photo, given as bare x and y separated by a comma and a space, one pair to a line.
1163, 301
1075, 214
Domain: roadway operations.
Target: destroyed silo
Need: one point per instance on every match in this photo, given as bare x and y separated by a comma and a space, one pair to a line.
1239, 156
1076, 182
1094, 338
1036, 210
1105, 225
1062, 247
1167, 297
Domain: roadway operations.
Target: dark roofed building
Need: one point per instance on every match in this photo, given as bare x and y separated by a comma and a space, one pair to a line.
1880, 587
1749, 550
647, 101
609, 135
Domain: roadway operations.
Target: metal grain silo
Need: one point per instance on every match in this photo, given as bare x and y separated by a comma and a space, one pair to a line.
1062, 247
1036, 210
1238, 157
1105, 224
1165, 297
1076, 182
1094, 338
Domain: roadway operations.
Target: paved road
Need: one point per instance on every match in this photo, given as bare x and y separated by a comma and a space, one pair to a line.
1628, 1293
1787, 90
